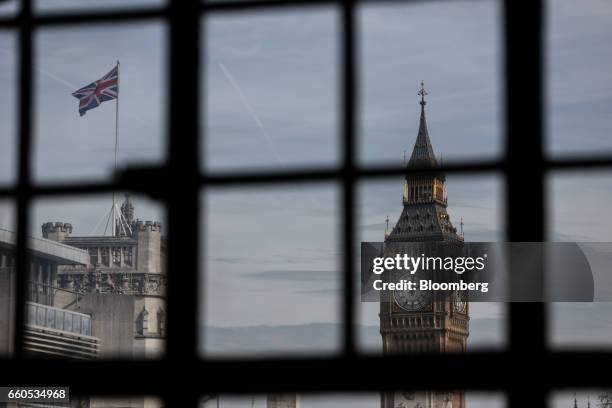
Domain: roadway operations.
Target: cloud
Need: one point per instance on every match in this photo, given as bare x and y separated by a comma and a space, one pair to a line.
314, 338
296, 276
580, 325
319, 292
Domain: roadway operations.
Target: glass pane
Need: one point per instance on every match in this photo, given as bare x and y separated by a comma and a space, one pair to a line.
578, 207
59, 319
7, 278
7, 215
69, 146
578, 77
454, 48
8, 107
76, 324
345, 400
31, 312
475, 209
270, 90
580, 399
271, 271
127, 401
580, 219
113, 401
87, 327
50, 318
47, 6
68, 322
98, 302
9, 7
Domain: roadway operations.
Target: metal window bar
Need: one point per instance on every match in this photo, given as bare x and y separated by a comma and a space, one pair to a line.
526, 372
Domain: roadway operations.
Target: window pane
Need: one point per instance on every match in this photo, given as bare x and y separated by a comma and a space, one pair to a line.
580, 219
271, 90
8, 107
110, 309
579, 86
8, 8
114, 402
345, 400
474, 201
7, 279
70, 146
578, 207
582, 398
454, 48
60, 316
7, 215
47, 6
271, 271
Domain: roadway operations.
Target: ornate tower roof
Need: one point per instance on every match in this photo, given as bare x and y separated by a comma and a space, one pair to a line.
127, 210
423, 153
424, 217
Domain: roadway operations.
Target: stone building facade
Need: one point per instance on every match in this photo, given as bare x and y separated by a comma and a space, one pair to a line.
123, 284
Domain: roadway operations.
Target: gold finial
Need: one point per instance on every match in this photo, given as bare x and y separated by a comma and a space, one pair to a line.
422, 93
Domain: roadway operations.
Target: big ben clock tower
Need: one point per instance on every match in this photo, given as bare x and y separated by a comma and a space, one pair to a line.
423, 322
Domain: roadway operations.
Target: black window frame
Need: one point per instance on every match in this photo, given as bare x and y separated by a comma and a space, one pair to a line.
526, 371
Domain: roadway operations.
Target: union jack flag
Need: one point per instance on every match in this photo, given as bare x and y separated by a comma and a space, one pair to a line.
102, 90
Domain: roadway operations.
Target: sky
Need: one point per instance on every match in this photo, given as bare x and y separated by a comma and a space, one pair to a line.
271, 100
9, 7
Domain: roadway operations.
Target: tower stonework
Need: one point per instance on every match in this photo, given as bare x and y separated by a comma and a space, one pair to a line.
57, 231
148, 236
429, 324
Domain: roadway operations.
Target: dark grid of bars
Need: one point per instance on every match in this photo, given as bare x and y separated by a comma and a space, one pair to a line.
526, 372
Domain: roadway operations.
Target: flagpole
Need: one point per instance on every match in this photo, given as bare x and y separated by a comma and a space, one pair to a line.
116, 147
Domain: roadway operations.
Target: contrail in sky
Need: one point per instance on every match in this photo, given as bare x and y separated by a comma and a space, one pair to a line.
58, 79
250, 109
48, 74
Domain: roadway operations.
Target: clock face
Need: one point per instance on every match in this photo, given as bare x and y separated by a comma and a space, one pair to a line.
411, 300
460, 301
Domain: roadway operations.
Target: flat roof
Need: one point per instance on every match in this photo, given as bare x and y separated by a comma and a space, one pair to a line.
54, 251
99, 240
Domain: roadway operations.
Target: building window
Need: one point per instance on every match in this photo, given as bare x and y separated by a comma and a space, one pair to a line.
93, 256
104, 255
127, 256
116, 251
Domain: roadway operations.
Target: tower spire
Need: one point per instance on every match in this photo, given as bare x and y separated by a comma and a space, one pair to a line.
423, 93
422, 153
424, 217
